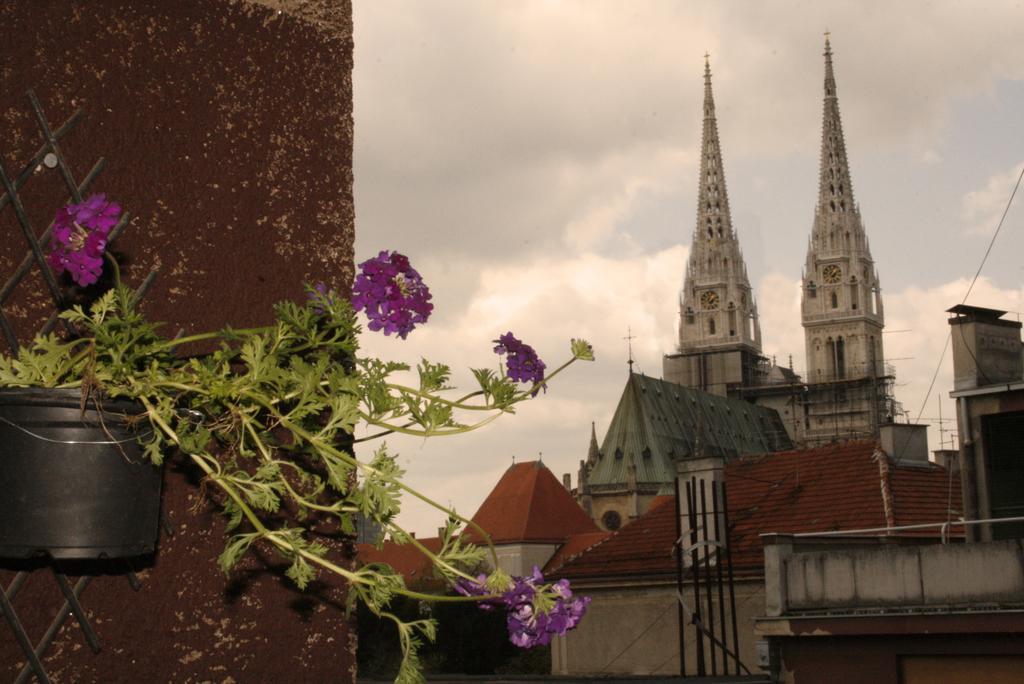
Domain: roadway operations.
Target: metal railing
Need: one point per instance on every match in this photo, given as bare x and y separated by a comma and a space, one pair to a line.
943, 527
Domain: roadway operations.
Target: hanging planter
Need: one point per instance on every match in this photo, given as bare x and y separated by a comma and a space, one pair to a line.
74, 483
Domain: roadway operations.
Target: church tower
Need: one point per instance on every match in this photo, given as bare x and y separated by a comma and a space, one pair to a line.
841, 304
719, 334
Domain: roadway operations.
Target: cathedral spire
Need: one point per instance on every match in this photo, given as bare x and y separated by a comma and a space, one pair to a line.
835, 189
717, 304
713, 217
841, 303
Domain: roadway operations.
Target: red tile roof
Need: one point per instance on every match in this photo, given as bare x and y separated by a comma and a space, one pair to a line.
574, 546
642, 547
529, 504
406, 559
834, 487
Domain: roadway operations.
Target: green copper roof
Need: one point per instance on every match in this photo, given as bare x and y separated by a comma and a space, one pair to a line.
658, 423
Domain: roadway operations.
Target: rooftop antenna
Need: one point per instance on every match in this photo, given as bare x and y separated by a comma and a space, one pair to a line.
942, 425
540, 456
629, 342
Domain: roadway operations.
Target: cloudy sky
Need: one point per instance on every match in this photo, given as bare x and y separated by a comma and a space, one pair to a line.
537, 161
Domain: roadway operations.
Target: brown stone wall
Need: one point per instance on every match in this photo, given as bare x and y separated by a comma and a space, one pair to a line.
227, 130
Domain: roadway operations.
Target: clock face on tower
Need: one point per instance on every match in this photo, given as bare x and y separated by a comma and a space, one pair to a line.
709, 299
831, 274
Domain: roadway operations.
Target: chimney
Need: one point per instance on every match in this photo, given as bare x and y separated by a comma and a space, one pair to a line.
986, 348
905, 442
695, 470
947, 458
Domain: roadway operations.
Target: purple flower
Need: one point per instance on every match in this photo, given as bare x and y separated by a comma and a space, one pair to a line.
392, 294
79, 237
527, 624
522, 362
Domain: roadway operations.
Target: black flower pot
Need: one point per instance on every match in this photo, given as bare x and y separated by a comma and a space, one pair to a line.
63, 491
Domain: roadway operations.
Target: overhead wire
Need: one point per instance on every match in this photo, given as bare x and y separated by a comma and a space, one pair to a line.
977, 274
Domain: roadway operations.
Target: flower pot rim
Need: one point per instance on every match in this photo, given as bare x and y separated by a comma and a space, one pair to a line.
63, 396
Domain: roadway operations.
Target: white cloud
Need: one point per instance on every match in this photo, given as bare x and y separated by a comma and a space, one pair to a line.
982, 208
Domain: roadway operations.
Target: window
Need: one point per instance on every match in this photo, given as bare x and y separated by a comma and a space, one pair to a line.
611, 520
689, 315
836, 351
835, 301
1005, 471
812, 290
711, 326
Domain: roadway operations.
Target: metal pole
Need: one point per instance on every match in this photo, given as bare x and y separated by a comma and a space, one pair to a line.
679, 580
707, 577
718, 569
732, 588
691, 509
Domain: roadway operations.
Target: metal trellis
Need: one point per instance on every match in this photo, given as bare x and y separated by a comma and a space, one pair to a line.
51, 156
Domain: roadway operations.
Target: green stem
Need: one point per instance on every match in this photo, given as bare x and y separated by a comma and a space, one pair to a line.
199, 337
431, 555
428, 433
348, 458
447, 598
253, 519
457, 403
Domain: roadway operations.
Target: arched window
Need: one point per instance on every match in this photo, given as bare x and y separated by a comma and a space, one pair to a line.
732, 319
711, 326
689, 315
854, 294
835, 301
812, 290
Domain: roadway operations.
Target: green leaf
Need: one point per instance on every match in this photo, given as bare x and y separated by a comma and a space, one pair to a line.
300, 572
235, 549
582, 350
433, 376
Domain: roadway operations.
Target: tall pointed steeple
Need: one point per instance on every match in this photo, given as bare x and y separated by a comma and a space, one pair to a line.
836, 207
717, 306
593, 453
841, 302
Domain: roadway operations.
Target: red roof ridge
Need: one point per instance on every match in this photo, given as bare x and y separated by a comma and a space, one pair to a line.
529, 504
574, 547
